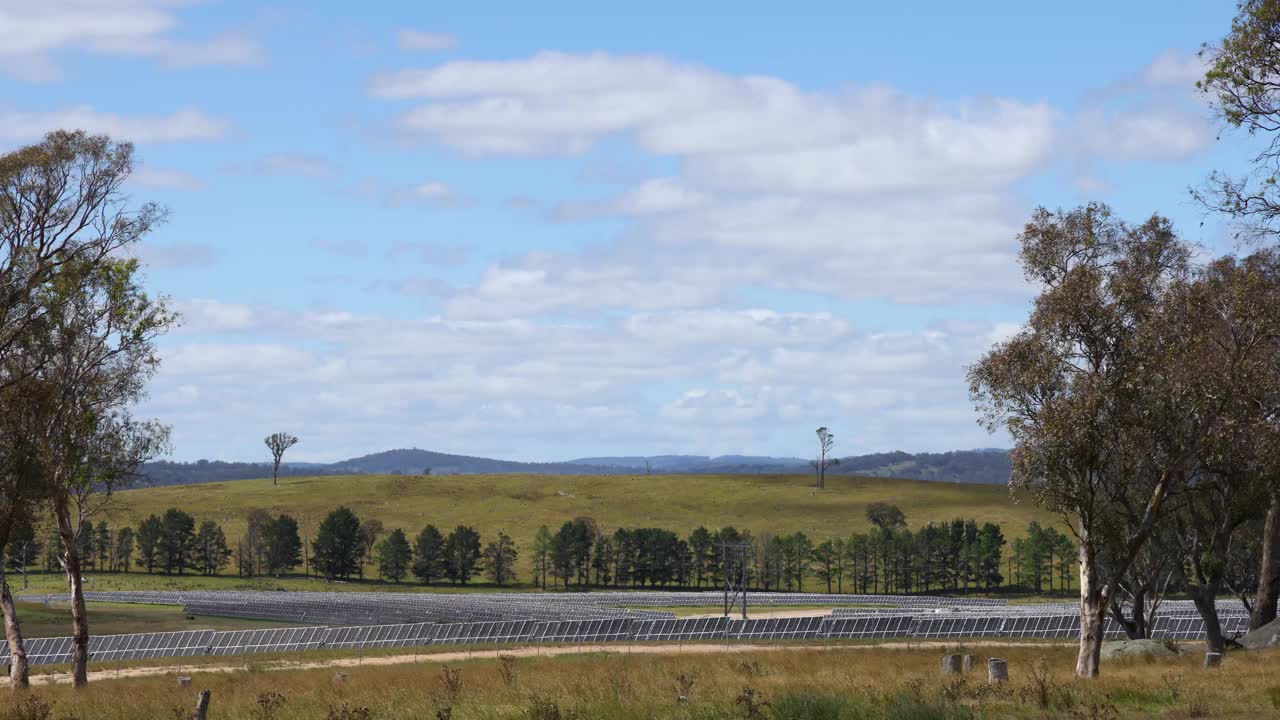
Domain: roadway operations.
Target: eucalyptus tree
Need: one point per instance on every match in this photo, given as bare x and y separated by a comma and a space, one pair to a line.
76, 325
1229, 319
1242, 85
1105, 415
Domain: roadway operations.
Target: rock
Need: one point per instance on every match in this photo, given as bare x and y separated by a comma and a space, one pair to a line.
1264, 637
1136, 648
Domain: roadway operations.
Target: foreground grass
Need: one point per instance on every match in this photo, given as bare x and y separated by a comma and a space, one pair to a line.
862, 683
118, 618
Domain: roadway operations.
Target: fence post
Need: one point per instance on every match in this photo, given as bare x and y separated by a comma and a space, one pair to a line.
997, 670
202, 706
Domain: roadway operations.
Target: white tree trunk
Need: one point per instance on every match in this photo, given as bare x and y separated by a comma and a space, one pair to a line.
19, 676
79, 616
1093, 613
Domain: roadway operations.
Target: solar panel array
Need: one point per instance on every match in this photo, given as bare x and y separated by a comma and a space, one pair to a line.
618, 629
346, 608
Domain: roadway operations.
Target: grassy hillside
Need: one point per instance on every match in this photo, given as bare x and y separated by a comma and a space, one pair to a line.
520, 503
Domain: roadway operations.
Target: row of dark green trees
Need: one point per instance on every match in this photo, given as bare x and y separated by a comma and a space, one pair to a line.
955, 556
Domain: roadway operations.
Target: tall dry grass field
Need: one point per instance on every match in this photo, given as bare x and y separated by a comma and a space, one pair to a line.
888, 683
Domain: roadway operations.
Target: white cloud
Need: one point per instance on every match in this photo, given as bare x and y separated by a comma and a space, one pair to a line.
31, 32
742, 129
351, 383
426, 253
1154, 114
295, 165
421, 40
1161, 133
165, 178
184, 124
432, 194
174, 255
660, 195
1176, 68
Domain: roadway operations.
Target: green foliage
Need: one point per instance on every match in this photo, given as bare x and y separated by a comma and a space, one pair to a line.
462, 554
177, 540
886, 516
500, 559
210, 552
428, 555
149, 534
283, 545
817, 705
394, 556
336, 549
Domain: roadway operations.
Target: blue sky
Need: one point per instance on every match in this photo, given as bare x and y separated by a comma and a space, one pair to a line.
572, 229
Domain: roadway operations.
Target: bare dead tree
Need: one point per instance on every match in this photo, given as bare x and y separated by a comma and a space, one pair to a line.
278, 443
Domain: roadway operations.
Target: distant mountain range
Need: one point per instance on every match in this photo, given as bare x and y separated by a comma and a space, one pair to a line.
986, 465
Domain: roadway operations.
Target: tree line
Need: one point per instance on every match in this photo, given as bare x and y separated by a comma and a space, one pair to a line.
957, 556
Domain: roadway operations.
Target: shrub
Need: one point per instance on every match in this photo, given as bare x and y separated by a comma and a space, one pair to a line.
814, 706
31, 707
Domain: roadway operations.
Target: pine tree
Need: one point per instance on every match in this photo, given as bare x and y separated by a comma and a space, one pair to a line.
336, 549
103, 545
541, 556
500, 559
462, 554
282, 545
177, 540
124, 548
428, 555
210, 548
394, 556
149, 534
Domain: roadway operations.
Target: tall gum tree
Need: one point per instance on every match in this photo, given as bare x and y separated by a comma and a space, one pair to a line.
90, 327
62, 213
87, 442
1103, 431
1242, 85
1228, 318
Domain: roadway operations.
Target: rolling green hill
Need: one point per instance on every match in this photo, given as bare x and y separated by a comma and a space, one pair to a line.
518, 504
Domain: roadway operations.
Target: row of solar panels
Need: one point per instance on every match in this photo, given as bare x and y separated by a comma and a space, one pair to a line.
346, 608
605, 598
241, 642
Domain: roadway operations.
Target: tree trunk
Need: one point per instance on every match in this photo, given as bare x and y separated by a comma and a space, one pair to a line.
1264, 607
79, 617
18, 669
1205, 598
1093, 612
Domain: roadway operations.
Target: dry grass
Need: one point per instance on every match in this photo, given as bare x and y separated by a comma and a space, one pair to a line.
811, 683
520, 503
